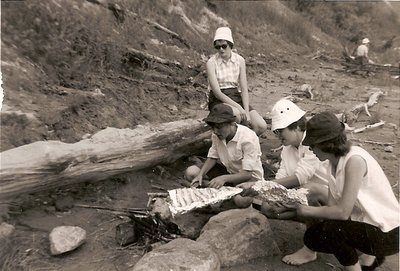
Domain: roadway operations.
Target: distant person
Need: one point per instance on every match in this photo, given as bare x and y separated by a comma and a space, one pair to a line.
226, 71
299, 167
361, 54
233, 158
362, 214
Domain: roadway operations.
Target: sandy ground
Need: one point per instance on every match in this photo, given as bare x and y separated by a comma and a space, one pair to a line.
35, 215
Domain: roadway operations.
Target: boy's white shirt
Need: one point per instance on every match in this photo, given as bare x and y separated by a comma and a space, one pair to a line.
243, 152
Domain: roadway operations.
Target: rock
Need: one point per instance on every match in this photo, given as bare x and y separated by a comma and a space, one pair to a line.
6, 230
66, 238
191, 223
239, 235
64, 204
173, 108
388, 149
394, 126
125, 234
179, 254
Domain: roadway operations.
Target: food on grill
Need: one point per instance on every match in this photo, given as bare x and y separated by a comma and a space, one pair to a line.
184, 200
270, 191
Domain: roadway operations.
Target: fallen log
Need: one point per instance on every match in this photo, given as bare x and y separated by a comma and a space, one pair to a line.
353, 67
49, 164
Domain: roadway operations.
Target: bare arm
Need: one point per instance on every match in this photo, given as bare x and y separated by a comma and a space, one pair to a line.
208, 164
243, 86
289, 182
355, 169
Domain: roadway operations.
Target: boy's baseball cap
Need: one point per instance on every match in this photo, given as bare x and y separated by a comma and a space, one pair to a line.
220, 113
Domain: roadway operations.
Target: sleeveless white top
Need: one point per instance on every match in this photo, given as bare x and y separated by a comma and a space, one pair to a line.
376, 203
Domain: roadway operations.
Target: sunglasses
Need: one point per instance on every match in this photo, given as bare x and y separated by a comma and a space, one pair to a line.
278, 131
223, 46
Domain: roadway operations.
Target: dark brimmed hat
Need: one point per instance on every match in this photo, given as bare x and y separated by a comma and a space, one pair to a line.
220, 113
322, 127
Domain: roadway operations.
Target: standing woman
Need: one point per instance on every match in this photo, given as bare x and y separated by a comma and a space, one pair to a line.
226, 71
362, 215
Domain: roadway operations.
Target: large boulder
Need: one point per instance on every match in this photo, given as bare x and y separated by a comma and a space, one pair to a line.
239, 235
179, 254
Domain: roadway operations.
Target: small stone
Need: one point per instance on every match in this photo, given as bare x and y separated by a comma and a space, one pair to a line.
66, 238
388, 149
6, 230
64, 204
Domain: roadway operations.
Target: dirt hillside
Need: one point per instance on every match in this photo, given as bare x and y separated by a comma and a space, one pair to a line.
73, 68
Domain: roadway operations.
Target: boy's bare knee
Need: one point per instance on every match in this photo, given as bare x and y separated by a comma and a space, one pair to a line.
191, 172
242, 202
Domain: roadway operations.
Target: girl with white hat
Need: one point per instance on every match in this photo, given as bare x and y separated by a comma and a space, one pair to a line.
226, 71
299, 167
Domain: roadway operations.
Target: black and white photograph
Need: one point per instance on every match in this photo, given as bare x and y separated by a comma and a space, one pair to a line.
199, 135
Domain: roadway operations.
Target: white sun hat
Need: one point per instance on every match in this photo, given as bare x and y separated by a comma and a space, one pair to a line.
223, 33
365, 41
285, 113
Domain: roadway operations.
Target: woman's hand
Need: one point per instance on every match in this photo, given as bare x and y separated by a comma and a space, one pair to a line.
291, 206
246, 185
299, 208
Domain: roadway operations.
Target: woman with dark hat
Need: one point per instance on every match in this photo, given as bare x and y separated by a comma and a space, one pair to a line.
361, 221
226, 72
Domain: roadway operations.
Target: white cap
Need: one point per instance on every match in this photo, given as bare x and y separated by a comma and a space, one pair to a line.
285, 113
365, 41
223, 33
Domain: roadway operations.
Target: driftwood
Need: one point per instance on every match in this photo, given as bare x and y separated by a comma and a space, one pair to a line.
373, 99
168, 31
373, 142
352, 65
131, 52
376, 68
375, 125
48, 164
